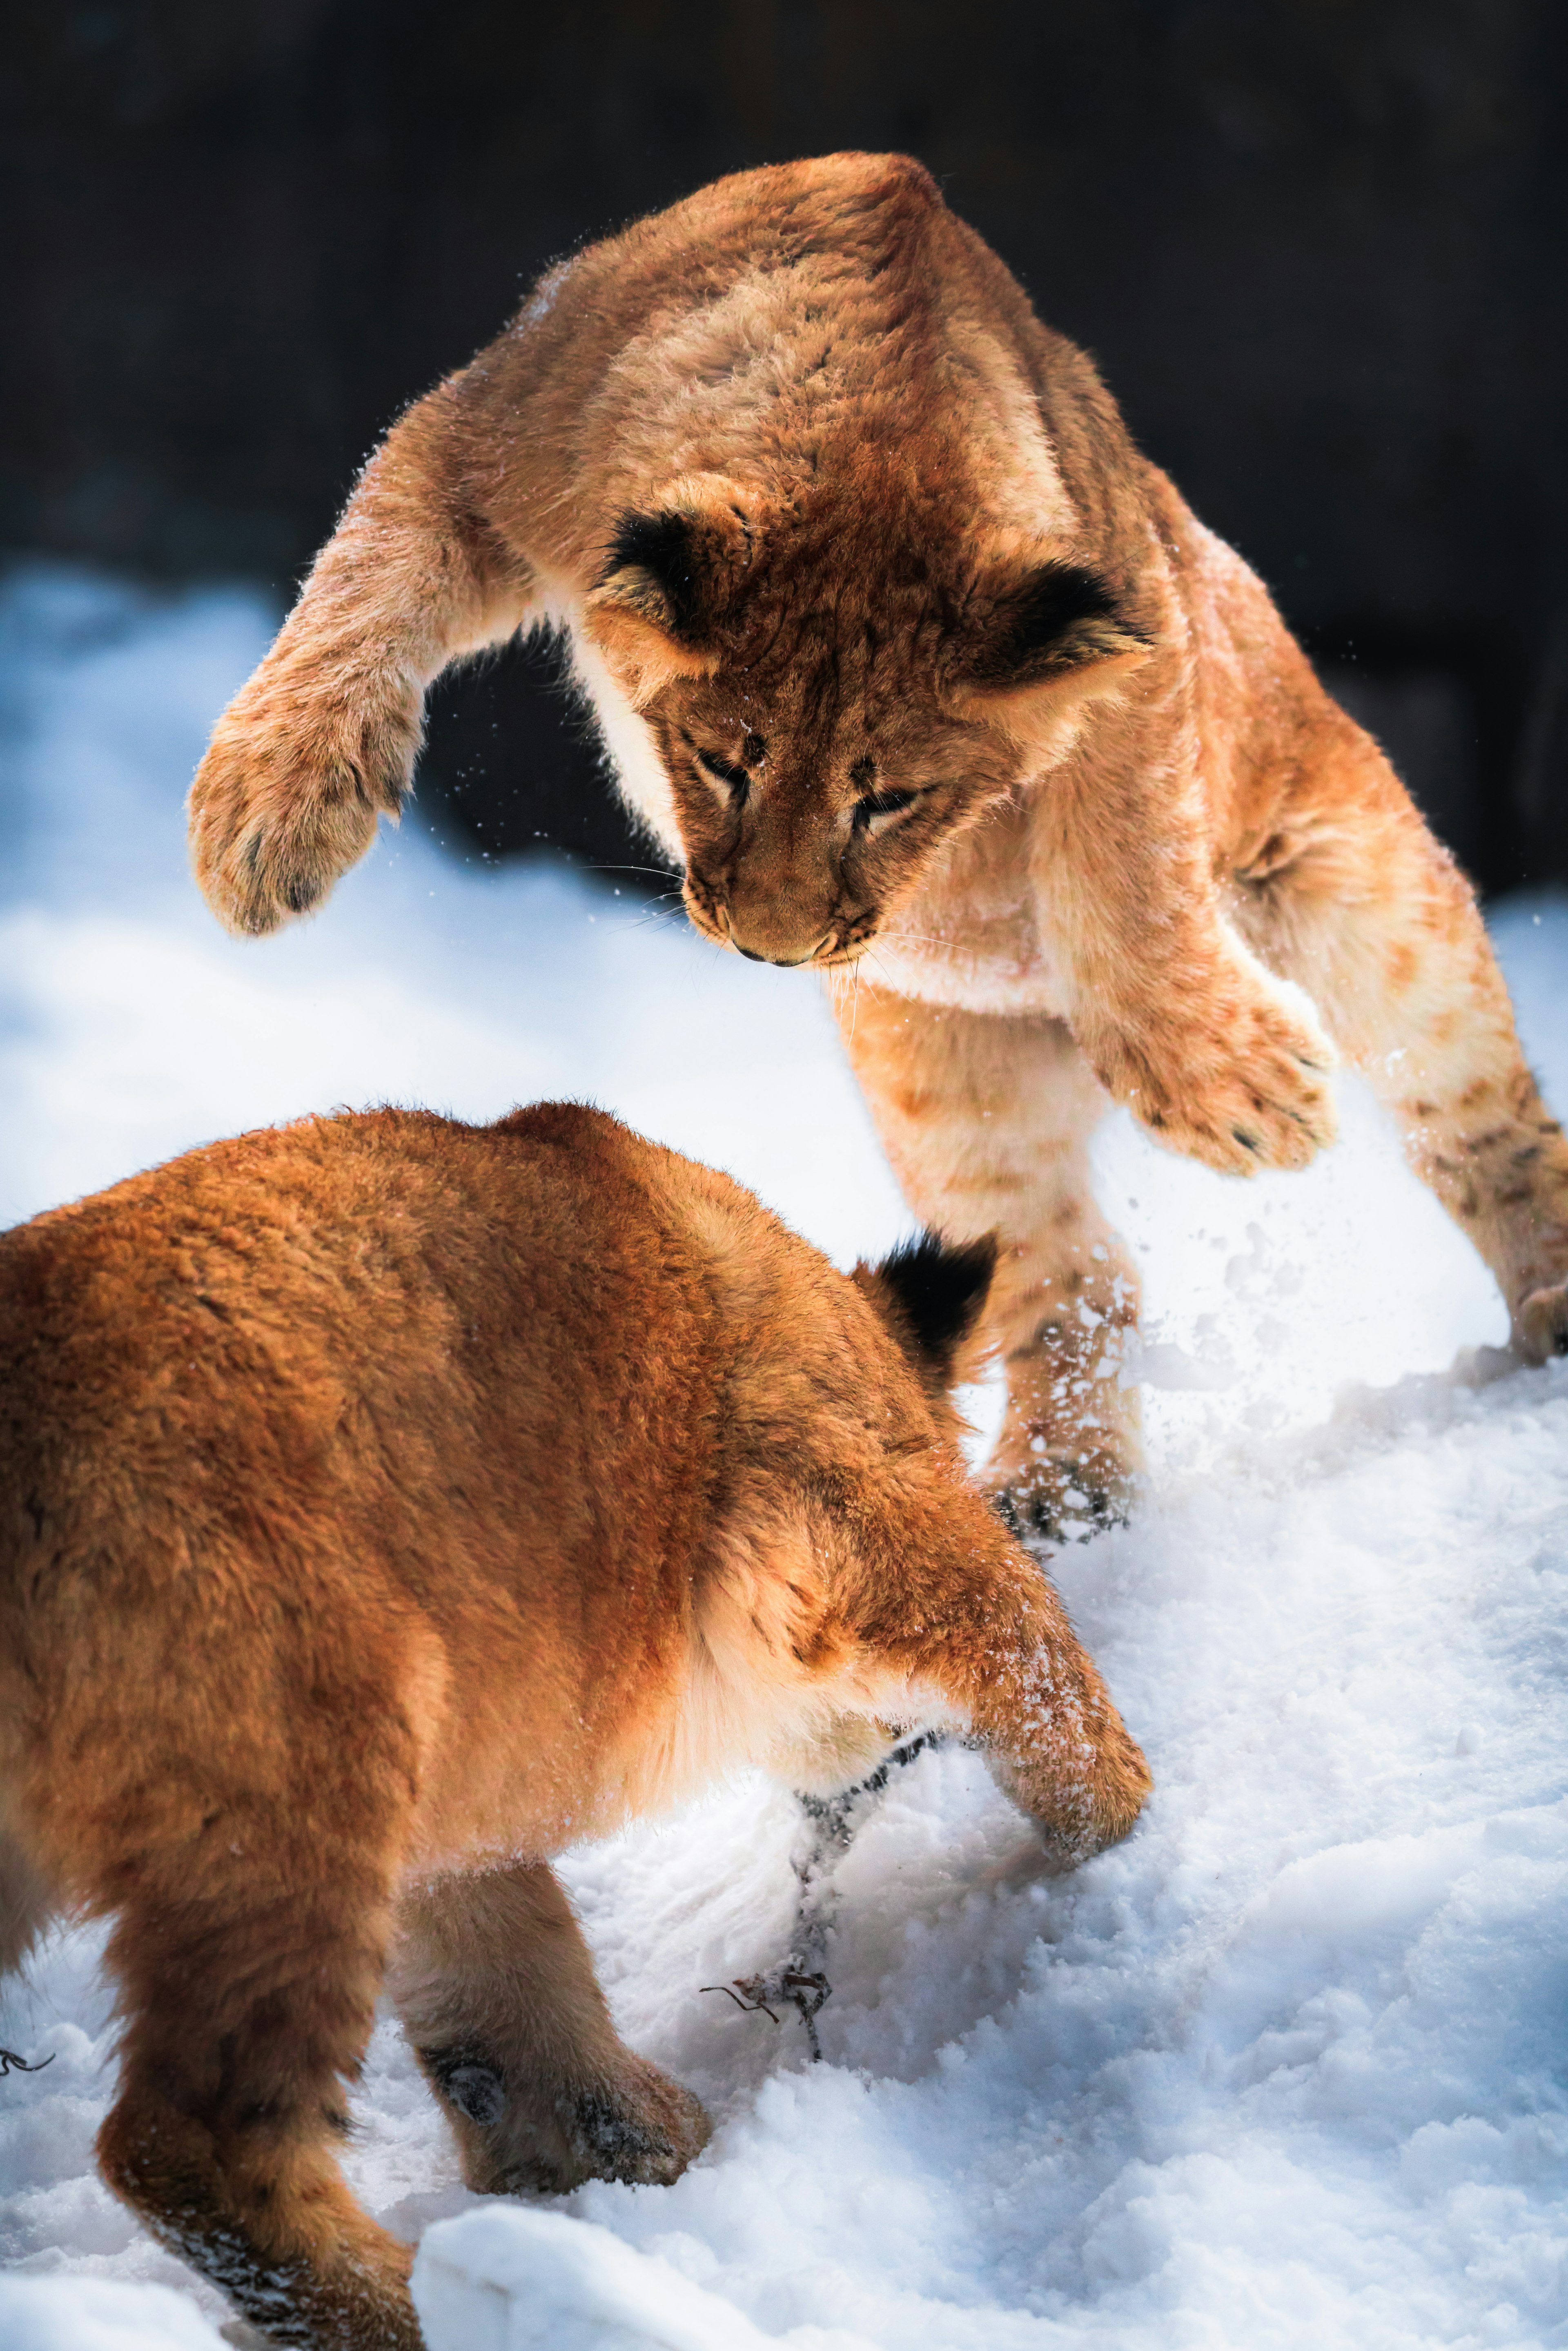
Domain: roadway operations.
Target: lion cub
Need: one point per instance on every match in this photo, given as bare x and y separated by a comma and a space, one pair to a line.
386, 1504
914, 663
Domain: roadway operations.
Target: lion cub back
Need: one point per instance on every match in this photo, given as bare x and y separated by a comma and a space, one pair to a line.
441, 1426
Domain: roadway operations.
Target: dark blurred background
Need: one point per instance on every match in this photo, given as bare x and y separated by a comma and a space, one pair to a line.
1316, 246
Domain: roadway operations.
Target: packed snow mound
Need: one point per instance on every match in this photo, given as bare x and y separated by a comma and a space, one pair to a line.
511, 2279
73, 2314
1287, 2068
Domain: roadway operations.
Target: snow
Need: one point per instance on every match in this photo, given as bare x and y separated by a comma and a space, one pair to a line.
1285, 2069
63, 2313
509, 2278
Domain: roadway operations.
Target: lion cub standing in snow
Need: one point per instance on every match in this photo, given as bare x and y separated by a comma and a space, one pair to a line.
915, 663
386, 1504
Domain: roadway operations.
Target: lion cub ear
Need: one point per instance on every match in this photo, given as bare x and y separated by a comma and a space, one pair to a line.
931, 1294
671, 570
1040, 647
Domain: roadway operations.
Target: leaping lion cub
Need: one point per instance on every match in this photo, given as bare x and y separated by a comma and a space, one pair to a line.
916, 664
386, 1504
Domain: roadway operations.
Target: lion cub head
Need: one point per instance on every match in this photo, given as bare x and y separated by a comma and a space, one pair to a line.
834, 693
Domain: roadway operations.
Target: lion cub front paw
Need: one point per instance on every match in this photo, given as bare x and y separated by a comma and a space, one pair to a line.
1085, 1791
1242, 1089
287, 799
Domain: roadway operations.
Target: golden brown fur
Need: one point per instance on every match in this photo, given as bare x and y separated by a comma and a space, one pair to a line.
916, 664
386, 1504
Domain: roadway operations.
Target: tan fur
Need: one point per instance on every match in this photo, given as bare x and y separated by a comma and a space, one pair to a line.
1129, 822
386, 1504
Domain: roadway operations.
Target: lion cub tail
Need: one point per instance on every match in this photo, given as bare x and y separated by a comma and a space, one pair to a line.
931, 1294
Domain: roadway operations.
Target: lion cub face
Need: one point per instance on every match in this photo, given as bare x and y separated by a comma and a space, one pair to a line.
812, 800
832, 700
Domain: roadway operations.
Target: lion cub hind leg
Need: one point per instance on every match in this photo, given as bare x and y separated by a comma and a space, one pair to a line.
497, 1992
249, 2001
986, 1119
1378, 921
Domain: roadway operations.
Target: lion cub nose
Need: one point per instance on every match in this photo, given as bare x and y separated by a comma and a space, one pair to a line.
779, 934
785, 963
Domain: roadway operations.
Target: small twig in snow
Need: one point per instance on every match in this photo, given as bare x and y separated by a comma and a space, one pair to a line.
11, 2063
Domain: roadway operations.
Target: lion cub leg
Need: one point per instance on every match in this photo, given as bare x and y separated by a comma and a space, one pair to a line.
249, 2001
322, 740
1383, 929
987, 1119
942, 1596
497, 1992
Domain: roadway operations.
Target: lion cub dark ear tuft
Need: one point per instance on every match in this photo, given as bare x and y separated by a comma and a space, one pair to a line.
678, 562
671, 573
655, 565
1058, 619
932, 1293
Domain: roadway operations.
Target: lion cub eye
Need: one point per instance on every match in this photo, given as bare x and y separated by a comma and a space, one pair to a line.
725, 772
879, 804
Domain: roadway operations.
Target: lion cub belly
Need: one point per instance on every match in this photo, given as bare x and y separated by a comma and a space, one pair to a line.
745, 1683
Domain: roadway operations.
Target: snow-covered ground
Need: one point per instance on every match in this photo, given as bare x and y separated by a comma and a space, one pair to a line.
1291, 2067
